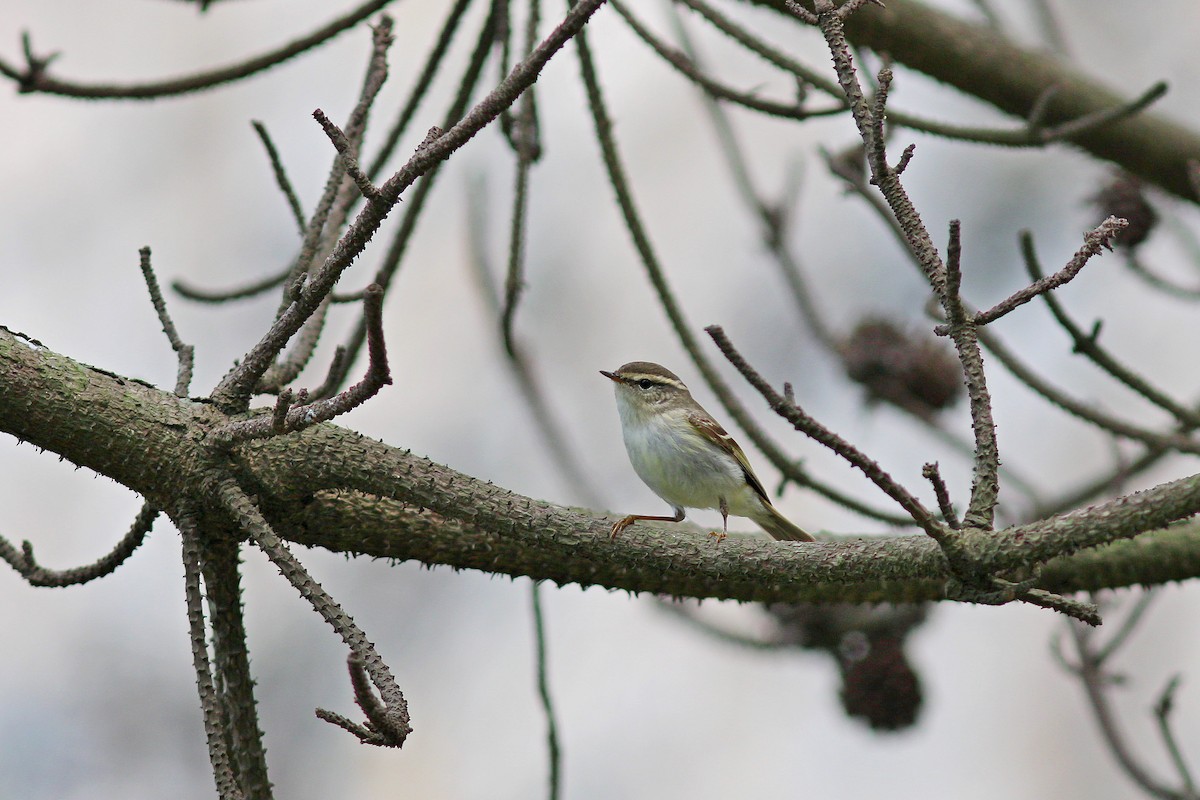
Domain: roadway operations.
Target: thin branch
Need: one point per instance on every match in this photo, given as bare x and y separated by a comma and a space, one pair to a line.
773, 218
541, 411
1164, 284
1099, 119
415, 203
323, 234
819, 433
1162, 713
1094, 242
1031, 134
1052, 29
306, 415
333, 376
234, 390
346, 150
688, 69
1085, 612
185, 353
932, 474
1129, 623
199, 295
525, 138
215, 722
1096, 683
944, 278
985, 485
33, 77
1178, 442
543, 685
432, 66
380, 729
617, 177
281, 178
722, 633
1089, 346
37, 575
395, 727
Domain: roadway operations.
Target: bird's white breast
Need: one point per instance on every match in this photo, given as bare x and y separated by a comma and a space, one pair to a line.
683, 469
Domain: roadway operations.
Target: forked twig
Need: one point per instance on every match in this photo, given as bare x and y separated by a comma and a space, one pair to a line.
390, 722
1097, 682
1088, 345
285, 419
1093, 243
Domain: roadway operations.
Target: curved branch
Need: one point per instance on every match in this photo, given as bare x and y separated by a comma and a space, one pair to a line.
33, 77
981, 62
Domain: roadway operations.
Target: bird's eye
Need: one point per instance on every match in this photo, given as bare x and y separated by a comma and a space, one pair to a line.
645, 383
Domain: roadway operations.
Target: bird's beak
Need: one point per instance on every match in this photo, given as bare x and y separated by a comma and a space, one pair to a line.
610, 376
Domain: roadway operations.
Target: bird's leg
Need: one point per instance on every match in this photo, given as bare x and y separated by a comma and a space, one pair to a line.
724, 534
632, 518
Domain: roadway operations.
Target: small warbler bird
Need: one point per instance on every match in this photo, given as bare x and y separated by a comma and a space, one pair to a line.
685, 456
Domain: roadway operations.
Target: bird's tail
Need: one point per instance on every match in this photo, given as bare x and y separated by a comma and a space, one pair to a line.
779, 526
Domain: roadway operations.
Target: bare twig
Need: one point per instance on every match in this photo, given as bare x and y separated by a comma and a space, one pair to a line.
525, 138
932, 474
1052, 29
1162, 713
420, 87
543, 685
1097, 682
1030, 134
234, 390
1167, 441
818, 432
249, 518
37, 575
284, 420
686, 67
215, 721
346, 150
1090, 122
331, 217
237, 293
1169, 286
545, 417
1093, 243
333, 376
415, 203
185, 353
774, 218
383, 727
281, 178
33, 77
1125, 629
1088, 345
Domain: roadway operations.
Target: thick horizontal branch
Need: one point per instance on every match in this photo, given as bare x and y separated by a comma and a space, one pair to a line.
333, 488
981, 62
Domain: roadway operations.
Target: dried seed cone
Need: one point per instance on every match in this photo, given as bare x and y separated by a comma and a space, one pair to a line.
917, 374
1123, 197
